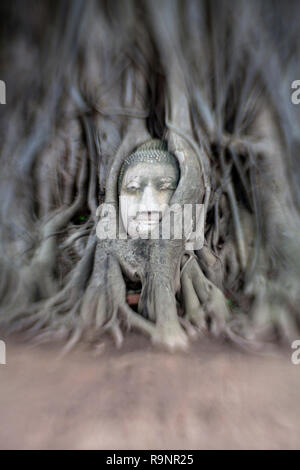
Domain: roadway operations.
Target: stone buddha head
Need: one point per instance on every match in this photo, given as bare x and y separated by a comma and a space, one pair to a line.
146, 183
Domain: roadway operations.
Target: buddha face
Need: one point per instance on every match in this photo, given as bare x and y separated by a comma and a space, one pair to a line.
145, 193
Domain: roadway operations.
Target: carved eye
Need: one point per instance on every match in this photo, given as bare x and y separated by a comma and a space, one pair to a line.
132, 188
166, 187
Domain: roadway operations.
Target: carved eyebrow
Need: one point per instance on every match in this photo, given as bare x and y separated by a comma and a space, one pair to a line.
136, 177
167, 179
133, 179
140, 179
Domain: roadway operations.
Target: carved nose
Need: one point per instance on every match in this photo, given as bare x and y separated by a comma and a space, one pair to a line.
149, 201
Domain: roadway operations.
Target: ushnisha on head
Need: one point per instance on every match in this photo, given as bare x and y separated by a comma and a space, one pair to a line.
153, 151
146, 183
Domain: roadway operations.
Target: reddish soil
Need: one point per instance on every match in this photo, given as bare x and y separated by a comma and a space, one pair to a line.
139, 398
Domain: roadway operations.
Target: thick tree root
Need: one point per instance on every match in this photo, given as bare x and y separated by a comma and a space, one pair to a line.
274, 315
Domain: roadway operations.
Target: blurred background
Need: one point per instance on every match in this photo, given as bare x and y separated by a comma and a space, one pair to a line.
70, 68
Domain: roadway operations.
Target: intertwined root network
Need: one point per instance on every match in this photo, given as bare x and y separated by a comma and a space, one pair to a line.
202, 79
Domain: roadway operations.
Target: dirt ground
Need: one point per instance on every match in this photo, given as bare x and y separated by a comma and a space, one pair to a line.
212, 397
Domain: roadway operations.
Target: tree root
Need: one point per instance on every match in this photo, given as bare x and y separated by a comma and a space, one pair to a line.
273, 313
204, 304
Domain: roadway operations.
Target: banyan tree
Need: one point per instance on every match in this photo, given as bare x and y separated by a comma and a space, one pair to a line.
130, 102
